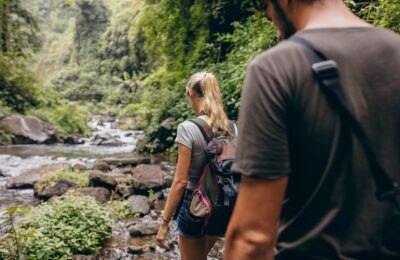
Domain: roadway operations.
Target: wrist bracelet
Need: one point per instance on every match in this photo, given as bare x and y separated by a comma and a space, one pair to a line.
164, 220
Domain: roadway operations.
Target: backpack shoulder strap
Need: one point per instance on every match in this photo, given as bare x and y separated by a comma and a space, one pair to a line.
205, 129
327, 74
233, 128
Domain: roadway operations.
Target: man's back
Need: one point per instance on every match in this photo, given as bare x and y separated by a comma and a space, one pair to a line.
330, 209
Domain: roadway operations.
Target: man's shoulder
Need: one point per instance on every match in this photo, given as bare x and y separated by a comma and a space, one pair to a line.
277, 55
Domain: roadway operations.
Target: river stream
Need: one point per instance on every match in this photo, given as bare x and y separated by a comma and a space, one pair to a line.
16, 159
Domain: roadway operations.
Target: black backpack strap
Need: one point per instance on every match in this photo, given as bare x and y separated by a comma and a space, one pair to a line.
204, 128
327, 74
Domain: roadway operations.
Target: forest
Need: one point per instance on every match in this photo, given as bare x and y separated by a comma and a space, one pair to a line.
64, 61
96, 73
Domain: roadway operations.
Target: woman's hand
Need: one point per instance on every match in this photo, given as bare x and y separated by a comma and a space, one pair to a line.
161, 235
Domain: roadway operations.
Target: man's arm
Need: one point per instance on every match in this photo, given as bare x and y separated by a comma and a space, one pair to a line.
252, 231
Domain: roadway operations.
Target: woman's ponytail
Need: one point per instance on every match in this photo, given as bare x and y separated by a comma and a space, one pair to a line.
212, 100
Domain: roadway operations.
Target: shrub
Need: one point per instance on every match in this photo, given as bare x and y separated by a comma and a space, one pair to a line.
120, 209
81, 178
67, 118
65, 226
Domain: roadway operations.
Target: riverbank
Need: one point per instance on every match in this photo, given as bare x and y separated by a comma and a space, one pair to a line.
134, 188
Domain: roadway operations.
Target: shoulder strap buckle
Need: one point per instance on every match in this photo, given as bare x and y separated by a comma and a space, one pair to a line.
326, 70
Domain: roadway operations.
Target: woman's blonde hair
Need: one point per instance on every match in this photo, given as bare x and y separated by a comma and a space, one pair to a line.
205, 86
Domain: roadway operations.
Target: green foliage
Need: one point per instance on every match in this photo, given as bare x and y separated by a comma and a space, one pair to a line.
120, 209
383, 13
18, 88
81, 178
10, 243
66, 117
63, 227
248, 40
163, 95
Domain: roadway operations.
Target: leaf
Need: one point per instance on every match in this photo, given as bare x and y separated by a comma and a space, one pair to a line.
11, 210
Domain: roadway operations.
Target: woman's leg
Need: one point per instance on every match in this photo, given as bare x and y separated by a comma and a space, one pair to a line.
192, 249
209, 243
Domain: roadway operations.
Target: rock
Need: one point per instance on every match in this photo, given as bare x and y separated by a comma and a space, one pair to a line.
124, 162
139, 204
2, 174
73, 139
147, 177
154, 198
112, 142
167, 123
79, 167
111, 117
128, 134
2, 115
141, 229
100, 179
45, 190
100, 122
121, 171
164, 132
101, 194
106, 139
28, 130
103, 136
124, 186
27, 179
135, 250
101, 165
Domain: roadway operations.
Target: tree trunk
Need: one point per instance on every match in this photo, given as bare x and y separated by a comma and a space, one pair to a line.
5, 16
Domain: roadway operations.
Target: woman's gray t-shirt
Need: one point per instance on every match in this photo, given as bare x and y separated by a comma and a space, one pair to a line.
189, 135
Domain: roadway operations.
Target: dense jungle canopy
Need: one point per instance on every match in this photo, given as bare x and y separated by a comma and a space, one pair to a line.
65, 60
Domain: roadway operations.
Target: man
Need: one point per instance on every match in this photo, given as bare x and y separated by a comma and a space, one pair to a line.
307, 190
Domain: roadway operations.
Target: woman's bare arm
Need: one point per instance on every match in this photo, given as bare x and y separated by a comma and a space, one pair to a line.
176, 192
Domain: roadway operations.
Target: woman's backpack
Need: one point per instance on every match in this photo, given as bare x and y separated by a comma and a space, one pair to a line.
215, 195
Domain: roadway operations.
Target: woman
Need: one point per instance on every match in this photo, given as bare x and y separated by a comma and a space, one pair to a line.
205, 99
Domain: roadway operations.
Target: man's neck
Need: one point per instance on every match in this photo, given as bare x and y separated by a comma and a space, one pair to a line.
325, 14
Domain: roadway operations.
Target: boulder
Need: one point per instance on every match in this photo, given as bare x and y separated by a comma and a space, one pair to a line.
155, 197
143, 229
106, 139
124, 162
121, 171
112, 142
135, 250
27, 179
73, 139
147, 177
101, 166
124, 185
139, 204
79, 167
28, 130
100, 179
45, 190
2, 174
101, 194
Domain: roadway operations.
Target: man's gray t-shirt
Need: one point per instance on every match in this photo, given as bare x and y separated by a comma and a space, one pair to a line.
287, 128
